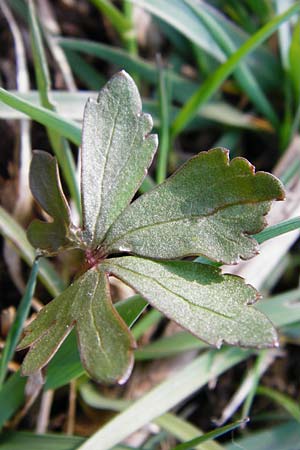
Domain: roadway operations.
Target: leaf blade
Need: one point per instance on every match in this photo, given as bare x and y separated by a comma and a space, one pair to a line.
114, 130
105, 343
214, 307
207, 207
46, 188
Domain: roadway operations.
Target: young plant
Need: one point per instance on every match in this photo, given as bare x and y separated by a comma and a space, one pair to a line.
209, 207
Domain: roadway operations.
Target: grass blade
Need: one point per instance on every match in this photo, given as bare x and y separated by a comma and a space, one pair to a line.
212, 83
14, 233
164, 142
118, 20
211, 435
179, 16
285, 401
257, 371
17, 327
59, 144
21, 440
242, 73
282, 437
176, 426
11, 396
50, 119
278, 229
70, 105
165, 396
84, 71
180, 87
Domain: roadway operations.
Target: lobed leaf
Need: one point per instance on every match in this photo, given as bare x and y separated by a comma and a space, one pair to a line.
216, 308
207, 207
116, 153
105, 343
46, 187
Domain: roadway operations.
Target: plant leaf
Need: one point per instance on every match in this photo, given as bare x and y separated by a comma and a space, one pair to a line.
208, 207
104, 340
116, 152
46, 187
66, 365
214, 307
294, 54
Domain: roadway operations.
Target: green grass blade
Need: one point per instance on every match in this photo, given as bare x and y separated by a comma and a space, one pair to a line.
242, 73
282, 437
164, 141
11, 396
118, 20
165, 396
282, 309
213, 83
15, 234
17, 327
149, 319
129, 37
175, 425
284, 34
285, 401
50, 119
22, 440
59, 144
180, 87
260, 361
85, 71
179, 16
278, 229
169, 346
66, 364
70, 105
211, 435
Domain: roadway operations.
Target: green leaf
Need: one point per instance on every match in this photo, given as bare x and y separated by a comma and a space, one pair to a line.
284, 400
46, 188
208, 207
60, 146
243, 74
17, 326
118, 20
183, 19
11, 396
214, 81
12, 440
214, 307
116, 152
105, 342
66, 365
165, 396
210, 435
14, 233
294, 55
281, 437
70, 105
276, 230
50, 119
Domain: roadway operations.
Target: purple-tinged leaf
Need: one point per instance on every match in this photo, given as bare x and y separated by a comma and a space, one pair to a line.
116, 153
216, 308
46, 188
105, 343
209, 207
